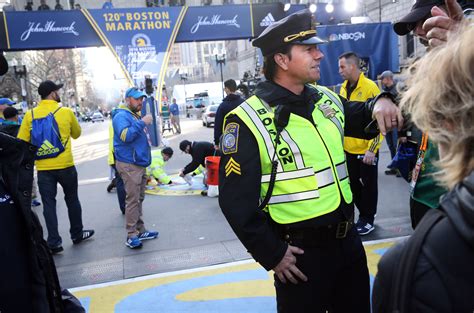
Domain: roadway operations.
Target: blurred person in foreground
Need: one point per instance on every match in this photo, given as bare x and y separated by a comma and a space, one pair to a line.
430, 21
440, 99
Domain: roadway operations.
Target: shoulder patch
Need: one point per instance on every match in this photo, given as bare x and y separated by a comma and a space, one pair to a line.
230, 139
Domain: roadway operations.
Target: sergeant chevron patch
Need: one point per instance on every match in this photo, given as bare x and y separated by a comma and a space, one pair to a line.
232, 167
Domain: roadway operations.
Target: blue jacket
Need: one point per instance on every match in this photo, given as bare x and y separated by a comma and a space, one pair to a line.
174, 109
130, 139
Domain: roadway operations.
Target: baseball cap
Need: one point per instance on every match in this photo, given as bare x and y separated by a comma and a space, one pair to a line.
420, 10
386, 74
6, 101
47, 87
134, 93
297, 28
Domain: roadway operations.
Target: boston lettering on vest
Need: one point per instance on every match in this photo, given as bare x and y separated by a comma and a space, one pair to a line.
284, 152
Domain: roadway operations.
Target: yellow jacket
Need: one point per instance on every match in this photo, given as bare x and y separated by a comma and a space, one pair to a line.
111, 158
68, 127
364, 90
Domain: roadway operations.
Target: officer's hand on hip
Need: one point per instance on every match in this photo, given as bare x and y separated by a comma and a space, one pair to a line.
286, 269
387, 114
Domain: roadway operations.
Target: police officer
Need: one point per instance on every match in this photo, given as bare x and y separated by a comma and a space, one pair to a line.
284, 187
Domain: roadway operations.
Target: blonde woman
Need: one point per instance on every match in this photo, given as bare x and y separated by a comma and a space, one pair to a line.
440, 99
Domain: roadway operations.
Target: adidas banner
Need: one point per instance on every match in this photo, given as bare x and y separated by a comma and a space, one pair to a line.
216, 23
265, 15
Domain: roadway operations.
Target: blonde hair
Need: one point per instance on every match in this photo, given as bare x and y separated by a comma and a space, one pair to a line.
440, 100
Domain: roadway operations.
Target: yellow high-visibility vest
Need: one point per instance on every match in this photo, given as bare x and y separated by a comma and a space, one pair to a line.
312, 172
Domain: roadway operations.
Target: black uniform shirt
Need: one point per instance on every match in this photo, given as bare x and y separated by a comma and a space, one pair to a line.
199, 151
239, 195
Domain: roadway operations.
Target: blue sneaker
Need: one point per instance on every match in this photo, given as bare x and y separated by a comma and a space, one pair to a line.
148, 235
133, 243
35, 202
364, 228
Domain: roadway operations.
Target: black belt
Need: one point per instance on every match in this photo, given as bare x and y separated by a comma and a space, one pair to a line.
316, 235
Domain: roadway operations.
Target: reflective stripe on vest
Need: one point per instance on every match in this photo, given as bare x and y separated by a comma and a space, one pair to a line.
332, 100
294, 197
311, 161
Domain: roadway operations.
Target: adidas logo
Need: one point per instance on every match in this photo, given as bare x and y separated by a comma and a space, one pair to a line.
267, 20
47, 148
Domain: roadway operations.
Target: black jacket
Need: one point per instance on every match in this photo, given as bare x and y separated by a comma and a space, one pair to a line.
199, 151
228, 104
239, 195
10, 129
443, 280
29, 282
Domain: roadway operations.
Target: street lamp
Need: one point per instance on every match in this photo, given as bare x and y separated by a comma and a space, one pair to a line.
220, 60
20, 72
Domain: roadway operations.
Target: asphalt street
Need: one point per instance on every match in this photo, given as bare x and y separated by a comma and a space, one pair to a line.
193, 231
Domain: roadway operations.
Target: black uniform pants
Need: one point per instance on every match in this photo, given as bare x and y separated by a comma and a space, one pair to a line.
338, 279
364, 185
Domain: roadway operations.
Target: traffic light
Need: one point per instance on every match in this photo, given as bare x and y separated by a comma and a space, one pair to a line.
149, 88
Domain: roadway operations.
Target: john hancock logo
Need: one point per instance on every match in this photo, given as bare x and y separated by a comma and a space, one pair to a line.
215, 20
49, 27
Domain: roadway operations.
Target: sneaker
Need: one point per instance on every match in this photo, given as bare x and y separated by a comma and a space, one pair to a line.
391, 171
204, 193
86, 234
35, 202
364, 228
112, 185
148, 235
133, 243
56, 250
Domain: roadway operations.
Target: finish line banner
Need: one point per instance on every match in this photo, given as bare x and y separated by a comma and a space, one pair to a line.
140, 38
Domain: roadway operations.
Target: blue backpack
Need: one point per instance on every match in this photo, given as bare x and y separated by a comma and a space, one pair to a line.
46, 136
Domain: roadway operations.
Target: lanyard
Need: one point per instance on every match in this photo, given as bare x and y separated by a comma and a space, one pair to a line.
419, 162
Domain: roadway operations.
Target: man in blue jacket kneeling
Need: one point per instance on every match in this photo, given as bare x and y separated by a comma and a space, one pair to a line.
133, 154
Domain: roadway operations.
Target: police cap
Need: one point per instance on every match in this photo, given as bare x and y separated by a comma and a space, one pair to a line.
297, 28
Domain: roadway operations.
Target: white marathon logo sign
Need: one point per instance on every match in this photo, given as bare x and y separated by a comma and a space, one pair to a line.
347, 36
49, 27
214, 20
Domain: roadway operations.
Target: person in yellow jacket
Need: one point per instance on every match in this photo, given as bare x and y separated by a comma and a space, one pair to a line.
361, 154
156, 169
59, 169
117, 181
